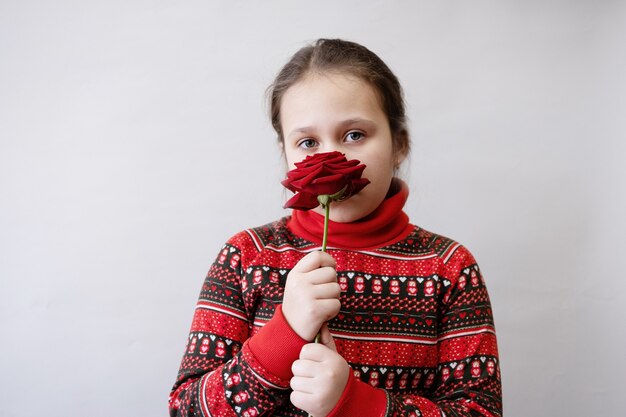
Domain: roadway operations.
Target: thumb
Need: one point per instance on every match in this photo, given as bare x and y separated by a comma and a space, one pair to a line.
327, 339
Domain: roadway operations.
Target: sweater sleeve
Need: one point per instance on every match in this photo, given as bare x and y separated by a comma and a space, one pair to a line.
225, 371
466, 381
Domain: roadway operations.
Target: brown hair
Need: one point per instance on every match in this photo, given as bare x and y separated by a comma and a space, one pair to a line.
350, 57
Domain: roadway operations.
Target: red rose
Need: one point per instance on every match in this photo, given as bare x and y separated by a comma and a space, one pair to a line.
329, 174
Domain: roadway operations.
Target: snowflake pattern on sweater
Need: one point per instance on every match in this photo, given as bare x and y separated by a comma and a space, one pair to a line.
415, 325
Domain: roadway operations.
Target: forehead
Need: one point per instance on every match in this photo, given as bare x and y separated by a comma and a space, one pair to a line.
324, 97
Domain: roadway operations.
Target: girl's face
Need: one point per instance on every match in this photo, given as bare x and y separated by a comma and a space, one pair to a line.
339, 112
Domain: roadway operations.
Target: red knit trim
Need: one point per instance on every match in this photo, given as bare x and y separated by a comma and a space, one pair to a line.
276, 346
385, 225
360, 399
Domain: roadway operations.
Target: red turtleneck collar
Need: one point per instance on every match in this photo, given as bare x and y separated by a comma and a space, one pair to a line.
385, 225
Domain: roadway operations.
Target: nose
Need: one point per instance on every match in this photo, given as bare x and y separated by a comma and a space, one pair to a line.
328, 146
332, 145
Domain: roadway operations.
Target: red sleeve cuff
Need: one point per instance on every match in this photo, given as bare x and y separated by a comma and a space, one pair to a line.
360, 399
276, 346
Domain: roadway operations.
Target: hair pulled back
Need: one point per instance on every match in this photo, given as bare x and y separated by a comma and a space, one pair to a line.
337, 55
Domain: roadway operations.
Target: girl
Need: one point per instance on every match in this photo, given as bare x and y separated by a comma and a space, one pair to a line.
405, 319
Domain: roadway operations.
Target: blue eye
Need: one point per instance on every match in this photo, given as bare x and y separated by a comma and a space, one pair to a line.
354, 136
307, 143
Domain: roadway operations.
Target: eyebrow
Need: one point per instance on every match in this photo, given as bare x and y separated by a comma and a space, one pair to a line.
344, 123
356, 120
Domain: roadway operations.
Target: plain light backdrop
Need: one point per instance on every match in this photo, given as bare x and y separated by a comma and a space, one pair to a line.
134, 140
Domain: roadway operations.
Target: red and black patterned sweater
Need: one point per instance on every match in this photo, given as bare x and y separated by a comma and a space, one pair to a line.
415, 323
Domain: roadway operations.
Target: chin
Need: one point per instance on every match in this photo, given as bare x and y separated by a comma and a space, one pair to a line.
347, 211
344, 218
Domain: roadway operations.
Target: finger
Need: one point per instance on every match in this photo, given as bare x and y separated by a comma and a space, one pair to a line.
327, 260
303, 368
312, 354
314, 260
302, 385
322, 275
301, 400
327, 339
329, 290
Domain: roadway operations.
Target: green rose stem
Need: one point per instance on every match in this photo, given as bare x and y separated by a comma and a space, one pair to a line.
326, 206
325, 200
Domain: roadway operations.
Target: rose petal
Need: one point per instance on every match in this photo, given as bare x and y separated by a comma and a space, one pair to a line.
315, 159
298, 173
350, 172
302, 201
356, 186
341, 165
287, 184
303, 182
328, 185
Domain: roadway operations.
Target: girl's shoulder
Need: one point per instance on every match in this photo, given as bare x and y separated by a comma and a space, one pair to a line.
420, 241
423, 244
274, 235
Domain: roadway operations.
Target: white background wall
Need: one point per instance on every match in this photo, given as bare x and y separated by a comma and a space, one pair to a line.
134, 142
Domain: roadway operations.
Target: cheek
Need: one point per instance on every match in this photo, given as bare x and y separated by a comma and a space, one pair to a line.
290, 158
379, 172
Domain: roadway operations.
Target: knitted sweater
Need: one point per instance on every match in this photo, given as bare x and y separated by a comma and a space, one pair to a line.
415, 323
